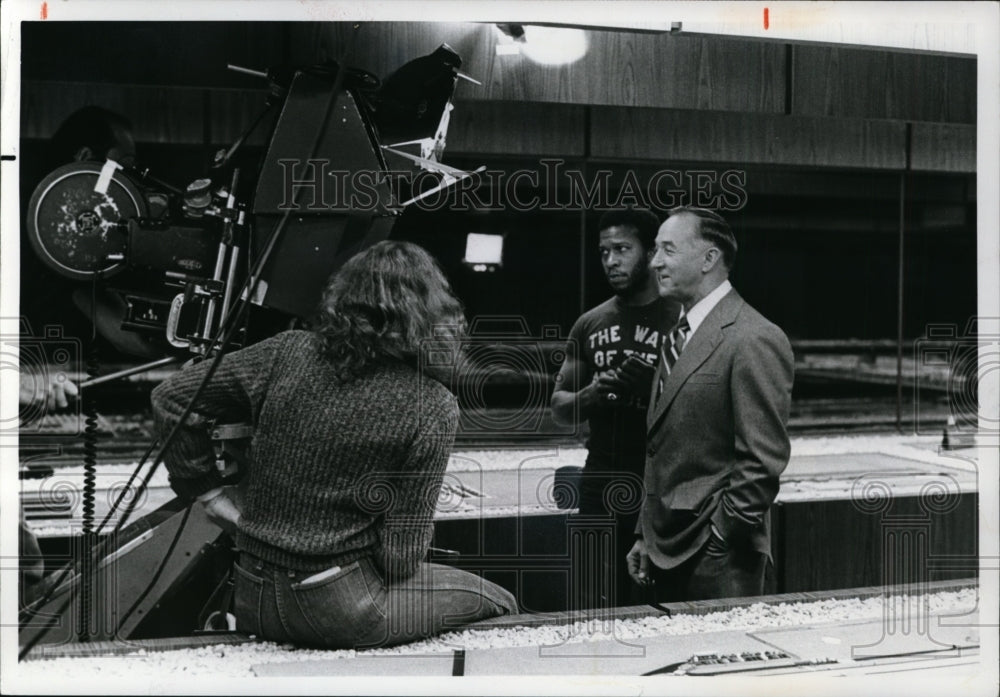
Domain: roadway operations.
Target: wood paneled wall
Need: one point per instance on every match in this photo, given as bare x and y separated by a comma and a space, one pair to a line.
517, 128
701, 99
622, 68
158, 114
634, 96
201, 116
177, 115
855, 552
863, 83
943, 147
151, 53
674, 134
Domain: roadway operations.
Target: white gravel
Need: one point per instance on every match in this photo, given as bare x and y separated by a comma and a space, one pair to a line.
237, 660
921, 448
918, 448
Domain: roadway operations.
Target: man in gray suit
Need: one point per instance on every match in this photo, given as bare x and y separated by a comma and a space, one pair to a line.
717, 436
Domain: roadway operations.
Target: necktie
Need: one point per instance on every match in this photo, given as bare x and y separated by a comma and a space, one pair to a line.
671, 349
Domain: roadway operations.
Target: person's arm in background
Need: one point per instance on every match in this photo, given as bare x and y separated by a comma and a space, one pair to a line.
51, 390
761, 387
413, 491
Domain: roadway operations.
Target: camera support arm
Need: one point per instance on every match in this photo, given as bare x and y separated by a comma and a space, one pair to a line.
226, 254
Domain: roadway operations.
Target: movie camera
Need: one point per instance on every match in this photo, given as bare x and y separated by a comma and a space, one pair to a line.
180, 259
187, 264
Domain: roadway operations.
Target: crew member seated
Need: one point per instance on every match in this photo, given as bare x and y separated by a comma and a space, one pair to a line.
351, 439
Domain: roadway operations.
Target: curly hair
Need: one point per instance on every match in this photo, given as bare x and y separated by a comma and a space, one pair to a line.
383, 303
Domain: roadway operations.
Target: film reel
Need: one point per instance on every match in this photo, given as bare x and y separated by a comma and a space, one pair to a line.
73, 219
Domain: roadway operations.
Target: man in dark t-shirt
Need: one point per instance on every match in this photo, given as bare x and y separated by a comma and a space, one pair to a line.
607, 380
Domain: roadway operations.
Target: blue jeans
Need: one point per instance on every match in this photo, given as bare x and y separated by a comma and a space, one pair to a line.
355, 608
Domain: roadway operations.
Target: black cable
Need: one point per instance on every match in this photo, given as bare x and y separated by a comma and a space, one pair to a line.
84, 558
246, 134
91, 427
103, 544
216, 359
128, 484
29, 613
89, 477
247, 290
243, 306
101, 547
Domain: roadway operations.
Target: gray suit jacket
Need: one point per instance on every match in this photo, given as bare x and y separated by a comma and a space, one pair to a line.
717, 437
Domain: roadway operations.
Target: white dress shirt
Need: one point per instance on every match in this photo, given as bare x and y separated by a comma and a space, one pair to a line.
697, 314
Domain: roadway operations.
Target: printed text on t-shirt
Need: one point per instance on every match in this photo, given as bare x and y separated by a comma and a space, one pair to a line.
611, 337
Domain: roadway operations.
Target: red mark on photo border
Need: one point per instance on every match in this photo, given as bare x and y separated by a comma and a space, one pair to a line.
45, 10
767, 20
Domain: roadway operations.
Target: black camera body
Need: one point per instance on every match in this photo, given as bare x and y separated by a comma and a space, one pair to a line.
175, 262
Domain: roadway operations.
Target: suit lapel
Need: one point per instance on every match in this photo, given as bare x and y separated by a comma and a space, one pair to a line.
697, 350
654, 390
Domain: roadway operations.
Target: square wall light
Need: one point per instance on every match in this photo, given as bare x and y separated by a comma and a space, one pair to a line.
483, 252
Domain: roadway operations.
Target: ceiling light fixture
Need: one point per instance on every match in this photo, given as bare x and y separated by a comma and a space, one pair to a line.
554, 45
542, 44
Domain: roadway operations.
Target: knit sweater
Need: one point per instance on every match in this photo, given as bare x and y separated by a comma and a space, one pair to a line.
339, 470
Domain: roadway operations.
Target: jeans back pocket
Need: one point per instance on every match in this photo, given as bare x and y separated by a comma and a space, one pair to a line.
339, 608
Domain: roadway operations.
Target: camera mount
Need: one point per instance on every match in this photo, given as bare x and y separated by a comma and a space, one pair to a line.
189, 264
